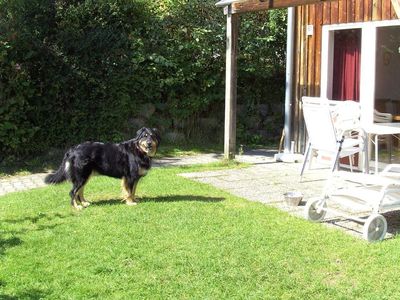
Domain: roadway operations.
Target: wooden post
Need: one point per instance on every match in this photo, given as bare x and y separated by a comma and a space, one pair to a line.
232, 30
396, 6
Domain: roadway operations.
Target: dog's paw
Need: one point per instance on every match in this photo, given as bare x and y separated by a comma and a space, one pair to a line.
78, 207
131, 203
85, 204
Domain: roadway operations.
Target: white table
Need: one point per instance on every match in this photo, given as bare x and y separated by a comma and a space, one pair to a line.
377, 129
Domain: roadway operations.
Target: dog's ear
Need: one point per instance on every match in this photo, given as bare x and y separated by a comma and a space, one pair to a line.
140, 131
156, 133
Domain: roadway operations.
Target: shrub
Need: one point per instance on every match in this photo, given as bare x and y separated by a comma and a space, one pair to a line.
83, 69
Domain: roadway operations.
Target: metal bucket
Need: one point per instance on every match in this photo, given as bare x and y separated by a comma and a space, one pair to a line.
293, 198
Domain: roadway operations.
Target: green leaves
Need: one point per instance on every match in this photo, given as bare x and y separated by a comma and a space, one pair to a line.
82, 69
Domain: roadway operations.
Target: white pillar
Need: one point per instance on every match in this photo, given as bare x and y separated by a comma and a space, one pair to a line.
367, 79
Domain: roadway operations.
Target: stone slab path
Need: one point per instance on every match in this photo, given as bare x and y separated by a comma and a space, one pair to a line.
267, 181
21, 183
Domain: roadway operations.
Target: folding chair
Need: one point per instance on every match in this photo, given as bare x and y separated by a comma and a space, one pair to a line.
326, 139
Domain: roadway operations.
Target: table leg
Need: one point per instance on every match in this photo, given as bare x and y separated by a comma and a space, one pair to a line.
376, 154
366, 153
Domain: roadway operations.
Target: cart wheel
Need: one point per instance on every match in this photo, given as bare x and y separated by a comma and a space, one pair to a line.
375, 228
315, 209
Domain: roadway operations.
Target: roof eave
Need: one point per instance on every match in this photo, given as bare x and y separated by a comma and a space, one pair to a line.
224, 3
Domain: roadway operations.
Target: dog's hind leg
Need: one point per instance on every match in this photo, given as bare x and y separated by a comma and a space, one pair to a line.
77, 191
74, 193
82, 199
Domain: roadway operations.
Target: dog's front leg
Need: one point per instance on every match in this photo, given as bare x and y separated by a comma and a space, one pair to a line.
129, 187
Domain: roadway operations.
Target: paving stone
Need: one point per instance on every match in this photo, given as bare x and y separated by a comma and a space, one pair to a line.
268, 182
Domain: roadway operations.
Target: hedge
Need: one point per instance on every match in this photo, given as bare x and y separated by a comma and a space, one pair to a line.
74, 70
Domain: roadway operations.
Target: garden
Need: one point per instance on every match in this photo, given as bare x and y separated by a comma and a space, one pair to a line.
184, 240
81, 70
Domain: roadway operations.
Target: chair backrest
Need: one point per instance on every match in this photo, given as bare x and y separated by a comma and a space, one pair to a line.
319, 123
380, 117
346, 116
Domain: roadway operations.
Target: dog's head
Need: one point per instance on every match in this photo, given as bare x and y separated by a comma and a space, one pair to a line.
148, 140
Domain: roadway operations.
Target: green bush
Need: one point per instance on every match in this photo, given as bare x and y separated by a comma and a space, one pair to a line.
84, 69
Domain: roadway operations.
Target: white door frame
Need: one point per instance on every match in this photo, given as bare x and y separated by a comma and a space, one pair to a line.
368, 62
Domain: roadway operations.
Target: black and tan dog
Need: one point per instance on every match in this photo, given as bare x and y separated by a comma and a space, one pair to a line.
129, 160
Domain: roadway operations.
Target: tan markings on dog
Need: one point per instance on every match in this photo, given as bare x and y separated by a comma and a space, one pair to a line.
125, 188
84, 202
76, 205
134, 190
133, 199
129, 195
79, 195
142, 171
131, 202
153, 151
143, 146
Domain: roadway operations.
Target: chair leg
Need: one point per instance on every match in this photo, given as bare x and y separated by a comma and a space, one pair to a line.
351, 157
335, 162
306, 155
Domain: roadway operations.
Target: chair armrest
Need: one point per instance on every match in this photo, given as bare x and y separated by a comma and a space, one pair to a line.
389, 170
381, 117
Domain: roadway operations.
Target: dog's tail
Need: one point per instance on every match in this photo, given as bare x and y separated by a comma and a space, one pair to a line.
61, 174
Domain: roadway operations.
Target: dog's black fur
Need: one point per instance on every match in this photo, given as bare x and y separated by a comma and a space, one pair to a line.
129, 160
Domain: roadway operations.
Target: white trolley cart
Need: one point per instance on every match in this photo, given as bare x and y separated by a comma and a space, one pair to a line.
375, 194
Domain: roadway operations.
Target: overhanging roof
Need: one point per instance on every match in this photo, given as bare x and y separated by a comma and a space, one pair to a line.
223, 3
242, 6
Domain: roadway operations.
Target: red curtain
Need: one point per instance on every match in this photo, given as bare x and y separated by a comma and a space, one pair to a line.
346, 65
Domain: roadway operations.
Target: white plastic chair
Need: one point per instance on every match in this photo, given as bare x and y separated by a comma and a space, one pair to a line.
320, 116
360, 192
346, 117
381, 117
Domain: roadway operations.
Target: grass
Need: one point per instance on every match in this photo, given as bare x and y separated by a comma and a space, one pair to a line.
185, 240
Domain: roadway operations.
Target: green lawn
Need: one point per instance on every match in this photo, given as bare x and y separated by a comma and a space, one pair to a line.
185, 240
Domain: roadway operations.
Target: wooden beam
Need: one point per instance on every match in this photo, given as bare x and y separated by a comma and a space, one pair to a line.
396, 6
243, 6
232, 32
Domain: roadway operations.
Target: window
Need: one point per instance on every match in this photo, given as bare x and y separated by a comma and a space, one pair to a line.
359, 61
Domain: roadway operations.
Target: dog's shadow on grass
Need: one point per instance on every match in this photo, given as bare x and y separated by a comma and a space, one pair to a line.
169, 198
182, 198
6, 243
40, 216
25, 294
22, 294
41, 221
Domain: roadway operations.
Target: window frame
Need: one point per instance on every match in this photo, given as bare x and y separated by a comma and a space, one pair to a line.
368, 62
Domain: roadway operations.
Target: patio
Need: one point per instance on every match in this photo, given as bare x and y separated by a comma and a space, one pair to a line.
266, 181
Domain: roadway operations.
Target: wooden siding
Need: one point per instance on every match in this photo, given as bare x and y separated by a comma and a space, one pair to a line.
307, 68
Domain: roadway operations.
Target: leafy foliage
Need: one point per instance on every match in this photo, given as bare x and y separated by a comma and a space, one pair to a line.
84, 69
